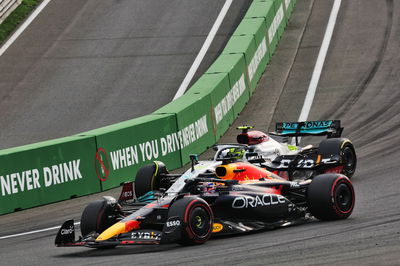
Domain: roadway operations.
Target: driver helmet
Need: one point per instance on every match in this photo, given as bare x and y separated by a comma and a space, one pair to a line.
234, 153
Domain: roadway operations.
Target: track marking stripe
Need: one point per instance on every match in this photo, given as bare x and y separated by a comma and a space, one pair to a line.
203, 50
34, 232
320, 62
21, 29
308, 101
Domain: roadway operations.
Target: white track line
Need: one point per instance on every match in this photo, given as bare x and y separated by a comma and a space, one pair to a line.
34, 232
21, 29
320, 62
203, 50
308, 101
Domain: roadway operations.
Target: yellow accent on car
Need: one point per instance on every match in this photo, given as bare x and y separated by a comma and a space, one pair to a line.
116, 229
318, 159
344, 142
292, 147
217, 227
154, 175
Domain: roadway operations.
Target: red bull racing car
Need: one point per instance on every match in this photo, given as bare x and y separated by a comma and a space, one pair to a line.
225, 196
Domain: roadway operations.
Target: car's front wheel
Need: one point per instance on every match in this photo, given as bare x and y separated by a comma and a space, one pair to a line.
98, 216
193, 218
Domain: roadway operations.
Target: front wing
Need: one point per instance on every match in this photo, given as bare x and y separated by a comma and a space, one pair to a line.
66, 238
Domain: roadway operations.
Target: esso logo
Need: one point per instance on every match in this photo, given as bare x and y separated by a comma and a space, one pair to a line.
173, 223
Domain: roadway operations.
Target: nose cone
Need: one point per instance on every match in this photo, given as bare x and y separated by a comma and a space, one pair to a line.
114, 230
118, 228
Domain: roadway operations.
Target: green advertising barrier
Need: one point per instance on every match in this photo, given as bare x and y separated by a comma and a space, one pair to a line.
47, 172
274, 15
280, 19
241, 44
195, 123
218, 87
124, 147
255, 27
239, 93
289, 5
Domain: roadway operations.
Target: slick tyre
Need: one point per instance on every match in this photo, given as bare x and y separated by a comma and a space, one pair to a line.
331, 197
343, 149
349, 159
97, 217
196, 220
148, 178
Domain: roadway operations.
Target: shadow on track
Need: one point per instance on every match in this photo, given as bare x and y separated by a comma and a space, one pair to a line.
126, 250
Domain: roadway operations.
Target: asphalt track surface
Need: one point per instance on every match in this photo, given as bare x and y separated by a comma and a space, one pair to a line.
84, 64
359, 85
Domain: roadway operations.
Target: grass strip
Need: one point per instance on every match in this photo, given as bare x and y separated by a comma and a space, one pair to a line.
16, 17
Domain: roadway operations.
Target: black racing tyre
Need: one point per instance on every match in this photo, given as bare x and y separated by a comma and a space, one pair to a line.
349, 159
148, 178
331, 197
197, 220
97, 217
344, 150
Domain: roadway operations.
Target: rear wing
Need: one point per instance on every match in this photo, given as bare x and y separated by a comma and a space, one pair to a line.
330, 128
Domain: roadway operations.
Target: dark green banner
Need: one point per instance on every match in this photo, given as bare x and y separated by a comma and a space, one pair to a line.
217, 86
194, 119
239, 93
124, 147
255, 27
47, 172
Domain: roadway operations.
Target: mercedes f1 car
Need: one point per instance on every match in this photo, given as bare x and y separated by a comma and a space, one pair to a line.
211, 198
292, 162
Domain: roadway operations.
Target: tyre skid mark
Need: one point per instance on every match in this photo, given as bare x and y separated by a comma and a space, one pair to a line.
358, 92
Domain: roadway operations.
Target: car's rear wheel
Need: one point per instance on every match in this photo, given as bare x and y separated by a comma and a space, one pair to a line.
349, 159
331, 197
342, 150
148, 178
